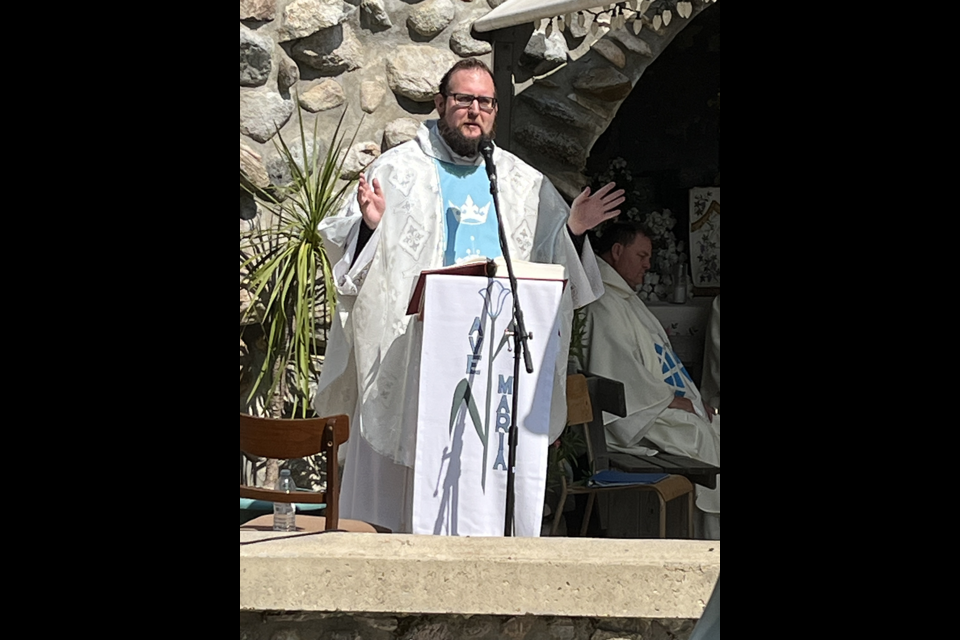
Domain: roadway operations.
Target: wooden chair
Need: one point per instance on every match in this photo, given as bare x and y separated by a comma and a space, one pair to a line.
299, 438
582, 410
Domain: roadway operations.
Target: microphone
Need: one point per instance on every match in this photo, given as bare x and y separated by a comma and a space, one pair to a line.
520, 337
486, 150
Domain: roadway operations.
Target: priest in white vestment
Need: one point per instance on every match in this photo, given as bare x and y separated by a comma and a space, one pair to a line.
422, 205
626, 342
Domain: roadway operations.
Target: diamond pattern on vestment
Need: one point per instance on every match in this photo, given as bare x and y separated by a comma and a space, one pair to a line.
412, 238
403, 179
518, 181
523, 238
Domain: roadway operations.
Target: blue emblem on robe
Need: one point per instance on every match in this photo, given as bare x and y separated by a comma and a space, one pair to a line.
674, 373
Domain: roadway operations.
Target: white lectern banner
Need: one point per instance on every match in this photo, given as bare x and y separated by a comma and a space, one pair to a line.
466, 401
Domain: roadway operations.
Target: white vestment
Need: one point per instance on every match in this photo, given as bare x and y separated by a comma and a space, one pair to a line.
371, 368
625, 342
710, 386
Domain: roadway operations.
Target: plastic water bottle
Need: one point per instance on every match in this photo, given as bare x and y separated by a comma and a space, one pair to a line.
284, 515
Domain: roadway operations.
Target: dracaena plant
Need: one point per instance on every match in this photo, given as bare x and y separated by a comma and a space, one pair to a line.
284, 266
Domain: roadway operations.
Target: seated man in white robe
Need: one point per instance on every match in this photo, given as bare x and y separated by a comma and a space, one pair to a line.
626, 342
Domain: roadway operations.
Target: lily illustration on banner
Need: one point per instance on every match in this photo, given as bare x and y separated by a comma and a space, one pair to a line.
494, 297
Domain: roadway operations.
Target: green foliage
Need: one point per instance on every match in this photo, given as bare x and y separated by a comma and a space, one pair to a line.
578, 338
563, 458
285, 267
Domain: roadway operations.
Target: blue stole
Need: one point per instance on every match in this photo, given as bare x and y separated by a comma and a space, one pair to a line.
469, 219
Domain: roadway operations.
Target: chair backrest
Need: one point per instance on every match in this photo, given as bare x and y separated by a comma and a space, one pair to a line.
579, 409
587, 399
607, 395
297, 438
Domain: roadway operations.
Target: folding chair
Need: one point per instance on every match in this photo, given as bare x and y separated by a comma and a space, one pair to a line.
582, 410
299, 438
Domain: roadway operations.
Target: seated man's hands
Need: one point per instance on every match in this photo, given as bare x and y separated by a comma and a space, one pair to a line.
685, 404
710, 411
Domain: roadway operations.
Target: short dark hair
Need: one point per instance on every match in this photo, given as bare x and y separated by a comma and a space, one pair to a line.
466, 64
618, 232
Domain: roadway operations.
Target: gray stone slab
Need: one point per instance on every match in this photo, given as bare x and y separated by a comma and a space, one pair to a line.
500, 576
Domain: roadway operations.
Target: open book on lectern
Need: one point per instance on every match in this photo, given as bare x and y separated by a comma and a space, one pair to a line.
496, 268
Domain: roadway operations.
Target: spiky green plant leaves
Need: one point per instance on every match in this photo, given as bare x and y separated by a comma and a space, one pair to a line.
285, 266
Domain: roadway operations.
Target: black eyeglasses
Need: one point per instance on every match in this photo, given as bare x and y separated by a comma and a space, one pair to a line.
465, 100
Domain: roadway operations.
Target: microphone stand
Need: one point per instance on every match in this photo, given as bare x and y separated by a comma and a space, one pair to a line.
520, 337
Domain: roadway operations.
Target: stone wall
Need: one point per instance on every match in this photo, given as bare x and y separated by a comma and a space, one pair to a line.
381, 62
378, 60
377, 64
348, 626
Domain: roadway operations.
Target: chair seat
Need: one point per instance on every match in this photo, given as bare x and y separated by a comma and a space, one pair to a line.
250, 509
667, 489
697, 472
314, 524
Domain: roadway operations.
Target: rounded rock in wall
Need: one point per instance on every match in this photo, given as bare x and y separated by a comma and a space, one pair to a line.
432, 17
371, 95
258, 9
288, 73
326, 95
331, 51
255, 59
276, 164
262, 111
376, 13
251, 164
357, 158
415, 71
465, 45
302, 18
611, 52
399, 131
604, 84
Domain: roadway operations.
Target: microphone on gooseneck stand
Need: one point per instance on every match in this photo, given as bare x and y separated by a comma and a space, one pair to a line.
520, 337
486, 150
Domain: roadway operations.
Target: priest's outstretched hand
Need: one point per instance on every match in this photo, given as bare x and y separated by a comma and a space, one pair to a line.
370, 199
588, 210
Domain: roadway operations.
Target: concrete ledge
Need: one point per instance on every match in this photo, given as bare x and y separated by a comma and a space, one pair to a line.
353, 572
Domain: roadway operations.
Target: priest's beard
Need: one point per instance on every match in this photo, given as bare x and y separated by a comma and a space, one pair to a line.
459, 143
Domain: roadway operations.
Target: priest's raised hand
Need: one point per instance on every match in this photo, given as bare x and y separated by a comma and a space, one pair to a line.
370, 199
587, 211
